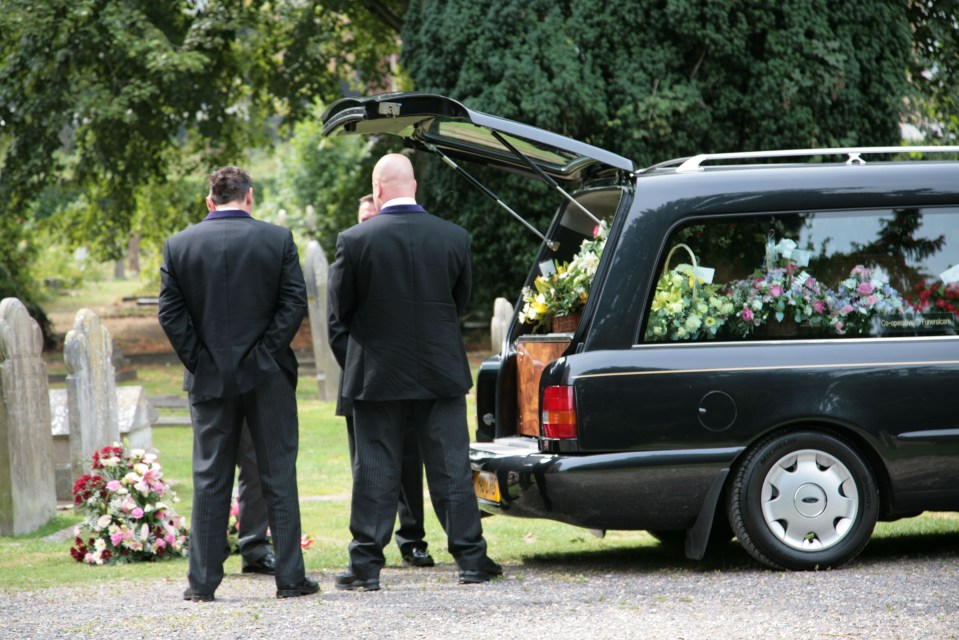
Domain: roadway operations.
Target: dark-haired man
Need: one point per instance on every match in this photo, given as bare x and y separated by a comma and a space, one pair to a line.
232, 297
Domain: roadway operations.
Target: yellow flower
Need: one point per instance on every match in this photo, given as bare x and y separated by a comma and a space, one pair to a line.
539, 304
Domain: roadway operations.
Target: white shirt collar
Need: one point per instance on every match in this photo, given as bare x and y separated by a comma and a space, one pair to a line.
398, 201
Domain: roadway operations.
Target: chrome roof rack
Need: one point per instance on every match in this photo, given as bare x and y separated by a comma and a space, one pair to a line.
853, 155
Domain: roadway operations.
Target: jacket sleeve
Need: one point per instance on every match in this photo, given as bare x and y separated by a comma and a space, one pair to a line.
174, 316
341, 287
337, 334
464, 282
291, 301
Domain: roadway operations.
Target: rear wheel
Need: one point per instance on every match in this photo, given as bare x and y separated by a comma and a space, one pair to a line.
803, 500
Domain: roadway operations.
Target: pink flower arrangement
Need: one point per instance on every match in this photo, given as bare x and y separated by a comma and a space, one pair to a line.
128, 517
860, 299
778, 295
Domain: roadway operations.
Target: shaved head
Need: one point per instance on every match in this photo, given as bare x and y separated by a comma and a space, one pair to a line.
393, 178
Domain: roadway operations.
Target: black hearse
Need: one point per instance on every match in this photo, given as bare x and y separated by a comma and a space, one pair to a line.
768, 348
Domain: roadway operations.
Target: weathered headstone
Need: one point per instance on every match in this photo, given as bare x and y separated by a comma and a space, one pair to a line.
60, 429
136, 414
327, 369
502, 314
27, 494
310, 219
122, 367
91, 390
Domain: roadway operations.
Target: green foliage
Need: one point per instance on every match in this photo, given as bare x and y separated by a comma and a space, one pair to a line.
934, 72
107, 100
329, 174
651, 81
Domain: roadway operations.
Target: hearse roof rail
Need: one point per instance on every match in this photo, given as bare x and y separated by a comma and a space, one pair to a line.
853, 155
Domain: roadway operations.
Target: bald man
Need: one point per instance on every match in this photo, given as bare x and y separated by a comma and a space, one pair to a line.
398, 284
411, 535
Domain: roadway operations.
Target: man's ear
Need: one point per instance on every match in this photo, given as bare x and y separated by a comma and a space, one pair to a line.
248, 200
210, 205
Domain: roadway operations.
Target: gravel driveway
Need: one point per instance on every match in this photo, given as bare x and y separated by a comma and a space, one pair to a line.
563, 597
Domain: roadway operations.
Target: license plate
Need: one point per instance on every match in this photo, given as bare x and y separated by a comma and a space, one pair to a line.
486, 486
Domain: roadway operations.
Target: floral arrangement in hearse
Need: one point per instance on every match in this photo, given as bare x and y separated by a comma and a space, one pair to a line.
686, 304
861, 298
126, 504
564, 287
942, 297
780, 294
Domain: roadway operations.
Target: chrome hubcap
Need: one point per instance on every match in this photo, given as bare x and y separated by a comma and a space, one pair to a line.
809, 500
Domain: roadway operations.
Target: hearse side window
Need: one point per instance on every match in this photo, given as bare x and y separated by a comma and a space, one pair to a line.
878, 273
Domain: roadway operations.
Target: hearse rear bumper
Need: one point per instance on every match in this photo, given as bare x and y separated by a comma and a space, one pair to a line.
655, 490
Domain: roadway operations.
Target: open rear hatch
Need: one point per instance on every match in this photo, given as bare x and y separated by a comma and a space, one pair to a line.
436, 124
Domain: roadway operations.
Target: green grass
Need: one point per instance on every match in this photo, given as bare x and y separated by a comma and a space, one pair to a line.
94, 294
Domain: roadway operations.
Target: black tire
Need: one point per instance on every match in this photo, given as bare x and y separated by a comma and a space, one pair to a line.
832, 510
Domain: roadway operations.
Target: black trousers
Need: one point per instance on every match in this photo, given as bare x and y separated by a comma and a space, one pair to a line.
443, 438
270, 413
410, 533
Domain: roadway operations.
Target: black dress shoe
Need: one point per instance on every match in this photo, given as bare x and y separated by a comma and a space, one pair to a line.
349, 581
265, 564
192, 596
486, 571
304, 587
417, 557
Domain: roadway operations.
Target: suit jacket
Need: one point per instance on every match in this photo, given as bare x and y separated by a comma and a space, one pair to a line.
232, 297
398, 284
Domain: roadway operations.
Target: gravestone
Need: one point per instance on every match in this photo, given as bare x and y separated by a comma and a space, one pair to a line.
60, 430
136, 415
91, 390
327, 369
27, 494
502, 314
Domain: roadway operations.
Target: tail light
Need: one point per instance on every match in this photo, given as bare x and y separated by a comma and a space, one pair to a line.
559, 412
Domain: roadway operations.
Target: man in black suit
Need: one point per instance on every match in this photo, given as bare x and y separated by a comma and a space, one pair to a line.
410, 536
232, 297
254, 544
399, 284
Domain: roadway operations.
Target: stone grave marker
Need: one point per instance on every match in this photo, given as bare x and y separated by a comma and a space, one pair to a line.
60, 429
502, 314
27, 493
91, 390
327, 369
137, 416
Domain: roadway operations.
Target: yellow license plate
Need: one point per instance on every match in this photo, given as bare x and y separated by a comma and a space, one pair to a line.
486, 486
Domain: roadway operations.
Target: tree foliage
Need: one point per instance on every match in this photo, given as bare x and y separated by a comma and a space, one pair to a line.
328, 173
655, 80
108, 99
934, 72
